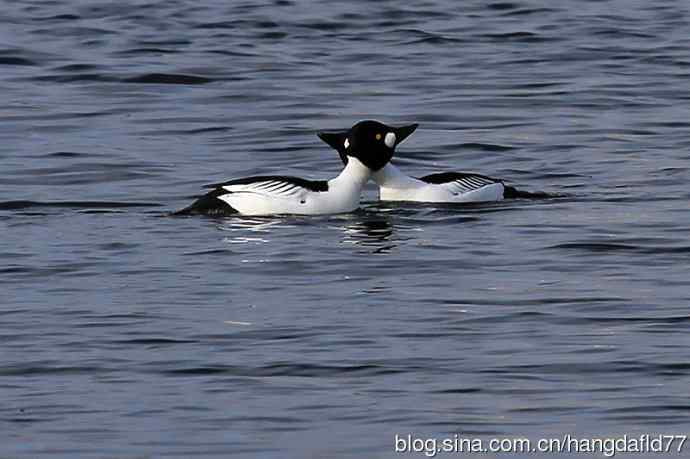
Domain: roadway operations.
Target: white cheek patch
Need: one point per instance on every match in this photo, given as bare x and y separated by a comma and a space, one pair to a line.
389, 140
346, 144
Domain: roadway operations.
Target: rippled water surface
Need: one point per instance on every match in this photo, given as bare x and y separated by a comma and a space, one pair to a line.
129, 334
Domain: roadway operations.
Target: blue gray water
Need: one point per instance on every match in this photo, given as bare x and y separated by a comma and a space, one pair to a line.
128, 334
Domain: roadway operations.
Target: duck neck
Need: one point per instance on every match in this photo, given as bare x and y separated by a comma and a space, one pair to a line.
353, 177
392, 177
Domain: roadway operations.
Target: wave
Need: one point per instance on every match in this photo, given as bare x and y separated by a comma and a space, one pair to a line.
20, 205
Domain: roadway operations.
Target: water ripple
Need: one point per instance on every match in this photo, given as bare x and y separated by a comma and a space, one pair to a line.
231, 335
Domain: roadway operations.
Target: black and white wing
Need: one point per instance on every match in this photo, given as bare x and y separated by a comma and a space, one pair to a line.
251, 195
460, 182
271, 185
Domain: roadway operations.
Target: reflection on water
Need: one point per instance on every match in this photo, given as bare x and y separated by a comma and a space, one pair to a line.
371, 231
367, 229
255, 226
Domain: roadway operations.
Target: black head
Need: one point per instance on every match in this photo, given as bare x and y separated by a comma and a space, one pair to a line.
371, 142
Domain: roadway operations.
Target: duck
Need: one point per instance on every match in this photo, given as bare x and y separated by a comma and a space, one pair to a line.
442, 187
368, 146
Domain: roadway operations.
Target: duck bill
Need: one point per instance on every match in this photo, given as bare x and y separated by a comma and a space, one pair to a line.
403, 132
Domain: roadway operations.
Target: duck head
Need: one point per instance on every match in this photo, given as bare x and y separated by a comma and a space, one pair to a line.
371, 142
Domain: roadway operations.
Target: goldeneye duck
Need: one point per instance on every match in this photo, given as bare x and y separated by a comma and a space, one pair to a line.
369, 147
448, 187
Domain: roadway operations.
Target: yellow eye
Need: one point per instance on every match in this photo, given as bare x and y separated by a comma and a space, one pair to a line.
378, 136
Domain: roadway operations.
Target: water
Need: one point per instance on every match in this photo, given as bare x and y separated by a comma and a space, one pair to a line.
129, 334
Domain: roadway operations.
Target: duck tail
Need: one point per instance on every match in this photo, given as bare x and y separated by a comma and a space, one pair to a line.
208, 205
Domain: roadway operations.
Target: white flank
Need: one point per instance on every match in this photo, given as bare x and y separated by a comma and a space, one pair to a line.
394, 185
273, 197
